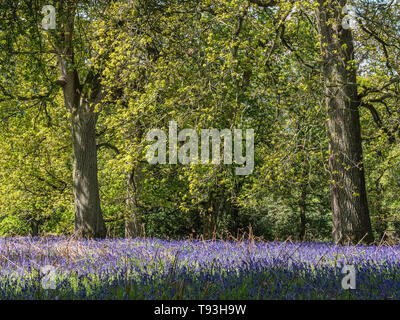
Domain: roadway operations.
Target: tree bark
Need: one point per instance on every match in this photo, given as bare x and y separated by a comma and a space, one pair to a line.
303, 208
88, 216
35, 226
132, 218
350, 214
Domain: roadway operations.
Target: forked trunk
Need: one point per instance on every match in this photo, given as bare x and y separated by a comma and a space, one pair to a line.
89, 221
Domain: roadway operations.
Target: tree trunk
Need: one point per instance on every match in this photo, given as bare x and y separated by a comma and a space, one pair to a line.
88, 216
34, 224
132, 219
348, 192
303, 207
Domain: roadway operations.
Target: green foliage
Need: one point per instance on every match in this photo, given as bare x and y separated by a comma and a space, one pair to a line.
208, 64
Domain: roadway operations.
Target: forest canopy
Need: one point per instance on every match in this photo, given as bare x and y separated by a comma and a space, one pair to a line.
320, 94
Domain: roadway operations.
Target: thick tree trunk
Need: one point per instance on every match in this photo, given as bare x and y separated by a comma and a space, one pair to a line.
348, 192
88, 217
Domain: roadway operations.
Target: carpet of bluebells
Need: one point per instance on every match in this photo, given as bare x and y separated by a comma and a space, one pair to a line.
171, 269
